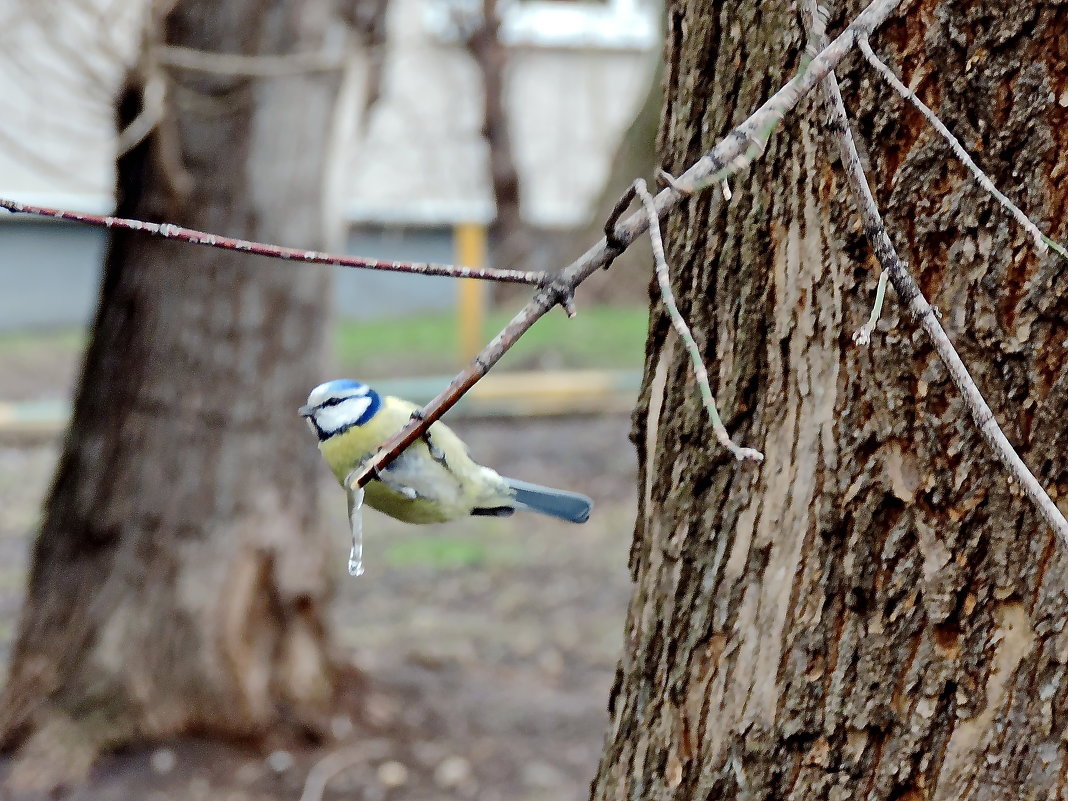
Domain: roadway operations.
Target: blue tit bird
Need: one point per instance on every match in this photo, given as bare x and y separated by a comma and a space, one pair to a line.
435, 479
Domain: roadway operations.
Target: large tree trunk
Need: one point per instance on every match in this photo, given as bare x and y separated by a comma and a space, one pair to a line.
179, 580
873, 612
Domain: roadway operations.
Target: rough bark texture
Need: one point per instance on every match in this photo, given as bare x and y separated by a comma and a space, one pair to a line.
179, 580
874, 612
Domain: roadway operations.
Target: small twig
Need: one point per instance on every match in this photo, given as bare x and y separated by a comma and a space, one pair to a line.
692, 348
815, 22
718, 164
922, 312
1042, 242
153, 101
168, 231
235, 64
610, 235
862, 336
614, 245
566, 299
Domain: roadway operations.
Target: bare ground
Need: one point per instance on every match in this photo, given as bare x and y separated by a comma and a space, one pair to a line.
482, 651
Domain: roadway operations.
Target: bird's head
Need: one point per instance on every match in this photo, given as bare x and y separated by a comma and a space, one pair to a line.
338, 405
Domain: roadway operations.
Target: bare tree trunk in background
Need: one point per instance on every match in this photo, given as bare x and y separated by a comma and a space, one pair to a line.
179, 582
511, 237
874, 612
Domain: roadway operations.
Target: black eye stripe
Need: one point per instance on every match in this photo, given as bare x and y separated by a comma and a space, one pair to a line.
335, 401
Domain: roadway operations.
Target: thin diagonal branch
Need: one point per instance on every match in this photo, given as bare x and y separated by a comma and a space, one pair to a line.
191, 236
663, 278
153, 102
1042, 242
922, 313
747, 142
733, 153
815, 23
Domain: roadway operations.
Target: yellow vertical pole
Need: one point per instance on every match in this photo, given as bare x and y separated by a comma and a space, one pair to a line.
470, 245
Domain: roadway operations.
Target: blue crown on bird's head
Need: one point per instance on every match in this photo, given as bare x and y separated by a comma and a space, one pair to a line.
342, 386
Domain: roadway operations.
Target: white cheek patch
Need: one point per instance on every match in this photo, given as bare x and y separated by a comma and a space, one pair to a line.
332, 418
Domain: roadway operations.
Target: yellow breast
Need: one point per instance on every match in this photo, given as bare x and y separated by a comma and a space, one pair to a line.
444, 491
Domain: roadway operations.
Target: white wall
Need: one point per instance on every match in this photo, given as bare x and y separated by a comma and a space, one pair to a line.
422, 157
61, 63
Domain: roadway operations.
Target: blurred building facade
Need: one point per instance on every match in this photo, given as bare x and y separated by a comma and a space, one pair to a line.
410, 165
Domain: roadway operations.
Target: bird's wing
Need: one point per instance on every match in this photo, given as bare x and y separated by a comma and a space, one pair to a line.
440, 468
415, 470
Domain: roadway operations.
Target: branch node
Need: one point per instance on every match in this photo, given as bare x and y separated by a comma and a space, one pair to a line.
670, 180
568, 303
747, 454
612, 239
760, 144
563, 295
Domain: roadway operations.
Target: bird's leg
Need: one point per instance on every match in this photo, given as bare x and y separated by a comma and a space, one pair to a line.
436, 453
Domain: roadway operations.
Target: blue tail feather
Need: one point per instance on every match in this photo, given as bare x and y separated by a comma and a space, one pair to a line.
570, 506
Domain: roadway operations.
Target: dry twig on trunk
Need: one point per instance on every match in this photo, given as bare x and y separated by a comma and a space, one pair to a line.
663, 279
922, 312
1042, 242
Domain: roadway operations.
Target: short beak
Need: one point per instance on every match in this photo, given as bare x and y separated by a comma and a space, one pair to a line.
305, 411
